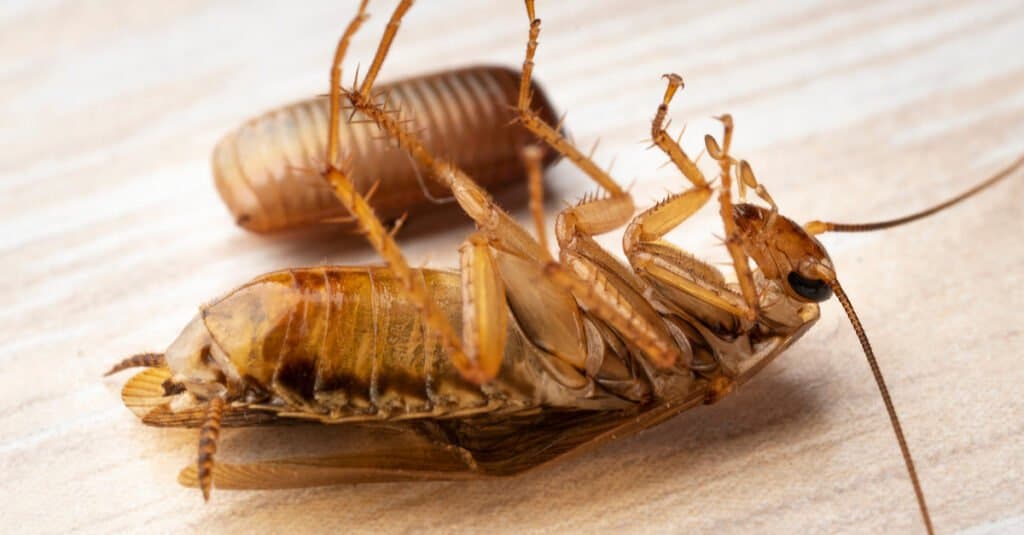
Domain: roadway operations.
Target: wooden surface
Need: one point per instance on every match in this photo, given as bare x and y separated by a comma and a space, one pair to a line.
112, 235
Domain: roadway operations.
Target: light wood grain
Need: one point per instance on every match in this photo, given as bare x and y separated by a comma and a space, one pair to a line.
112, 234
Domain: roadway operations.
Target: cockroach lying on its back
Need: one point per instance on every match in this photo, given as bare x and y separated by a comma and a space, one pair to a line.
267, 170
517, 358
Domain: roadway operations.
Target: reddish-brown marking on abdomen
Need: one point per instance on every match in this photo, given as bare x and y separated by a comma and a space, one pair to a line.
351, 341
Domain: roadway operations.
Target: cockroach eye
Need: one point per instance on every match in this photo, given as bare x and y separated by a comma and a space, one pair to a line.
811, 289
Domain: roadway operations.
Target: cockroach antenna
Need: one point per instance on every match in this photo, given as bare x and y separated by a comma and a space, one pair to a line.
820, 227
827, 275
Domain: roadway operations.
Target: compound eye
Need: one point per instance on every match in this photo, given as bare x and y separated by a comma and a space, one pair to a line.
811, 289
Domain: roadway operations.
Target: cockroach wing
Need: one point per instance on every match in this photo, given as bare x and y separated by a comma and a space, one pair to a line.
486, 450
510, 450
414, 458
144, 395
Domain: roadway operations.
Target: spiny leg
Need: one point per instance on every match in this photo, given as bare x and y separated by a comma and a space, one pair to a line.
335, 95
531, 49
474, 200
374, 230
655, 222
598, 281
650, 226
478, 357
601, 284
502, 232
546, 132
592, 215
670, 265
484, 303
481, 352
671, 147
498, 226
415, 289
663, 264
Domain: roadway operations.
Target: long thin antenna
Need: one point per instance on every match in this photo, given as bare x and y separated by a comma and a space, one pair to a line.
818, 227
884, 390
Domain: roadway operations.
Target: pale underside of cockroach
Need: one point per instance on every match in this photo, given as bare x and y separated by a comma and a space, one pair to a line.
516, 358
267, 171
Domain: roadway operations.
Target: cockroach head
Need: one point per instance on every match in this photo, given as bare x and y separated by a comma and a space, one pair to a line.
785, 252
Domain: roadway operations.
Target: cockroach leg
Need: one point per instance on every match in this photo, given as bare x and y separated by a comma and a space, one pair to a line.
416, 289
531, 49
533, 160
663, 264
374, 230
495, 227
586, 270
594, 277
484, 308
654, 258
208, 436
546, 132
384, 47
767, 236
668, 266
671, 146
740, 261
500, 228
147, 360
335, 94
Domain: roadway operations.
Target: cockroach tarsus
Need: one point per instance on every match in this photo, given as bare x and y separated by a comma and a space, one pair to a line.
517, 358
267, 170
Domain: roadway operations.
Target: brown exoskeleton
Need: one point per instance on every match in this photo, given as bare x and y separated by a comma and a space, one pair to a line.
517, 358
267, 170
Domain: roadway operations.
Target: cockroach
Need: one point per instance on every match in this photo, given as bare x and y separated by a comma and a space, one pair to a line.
517, 358
267, 170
